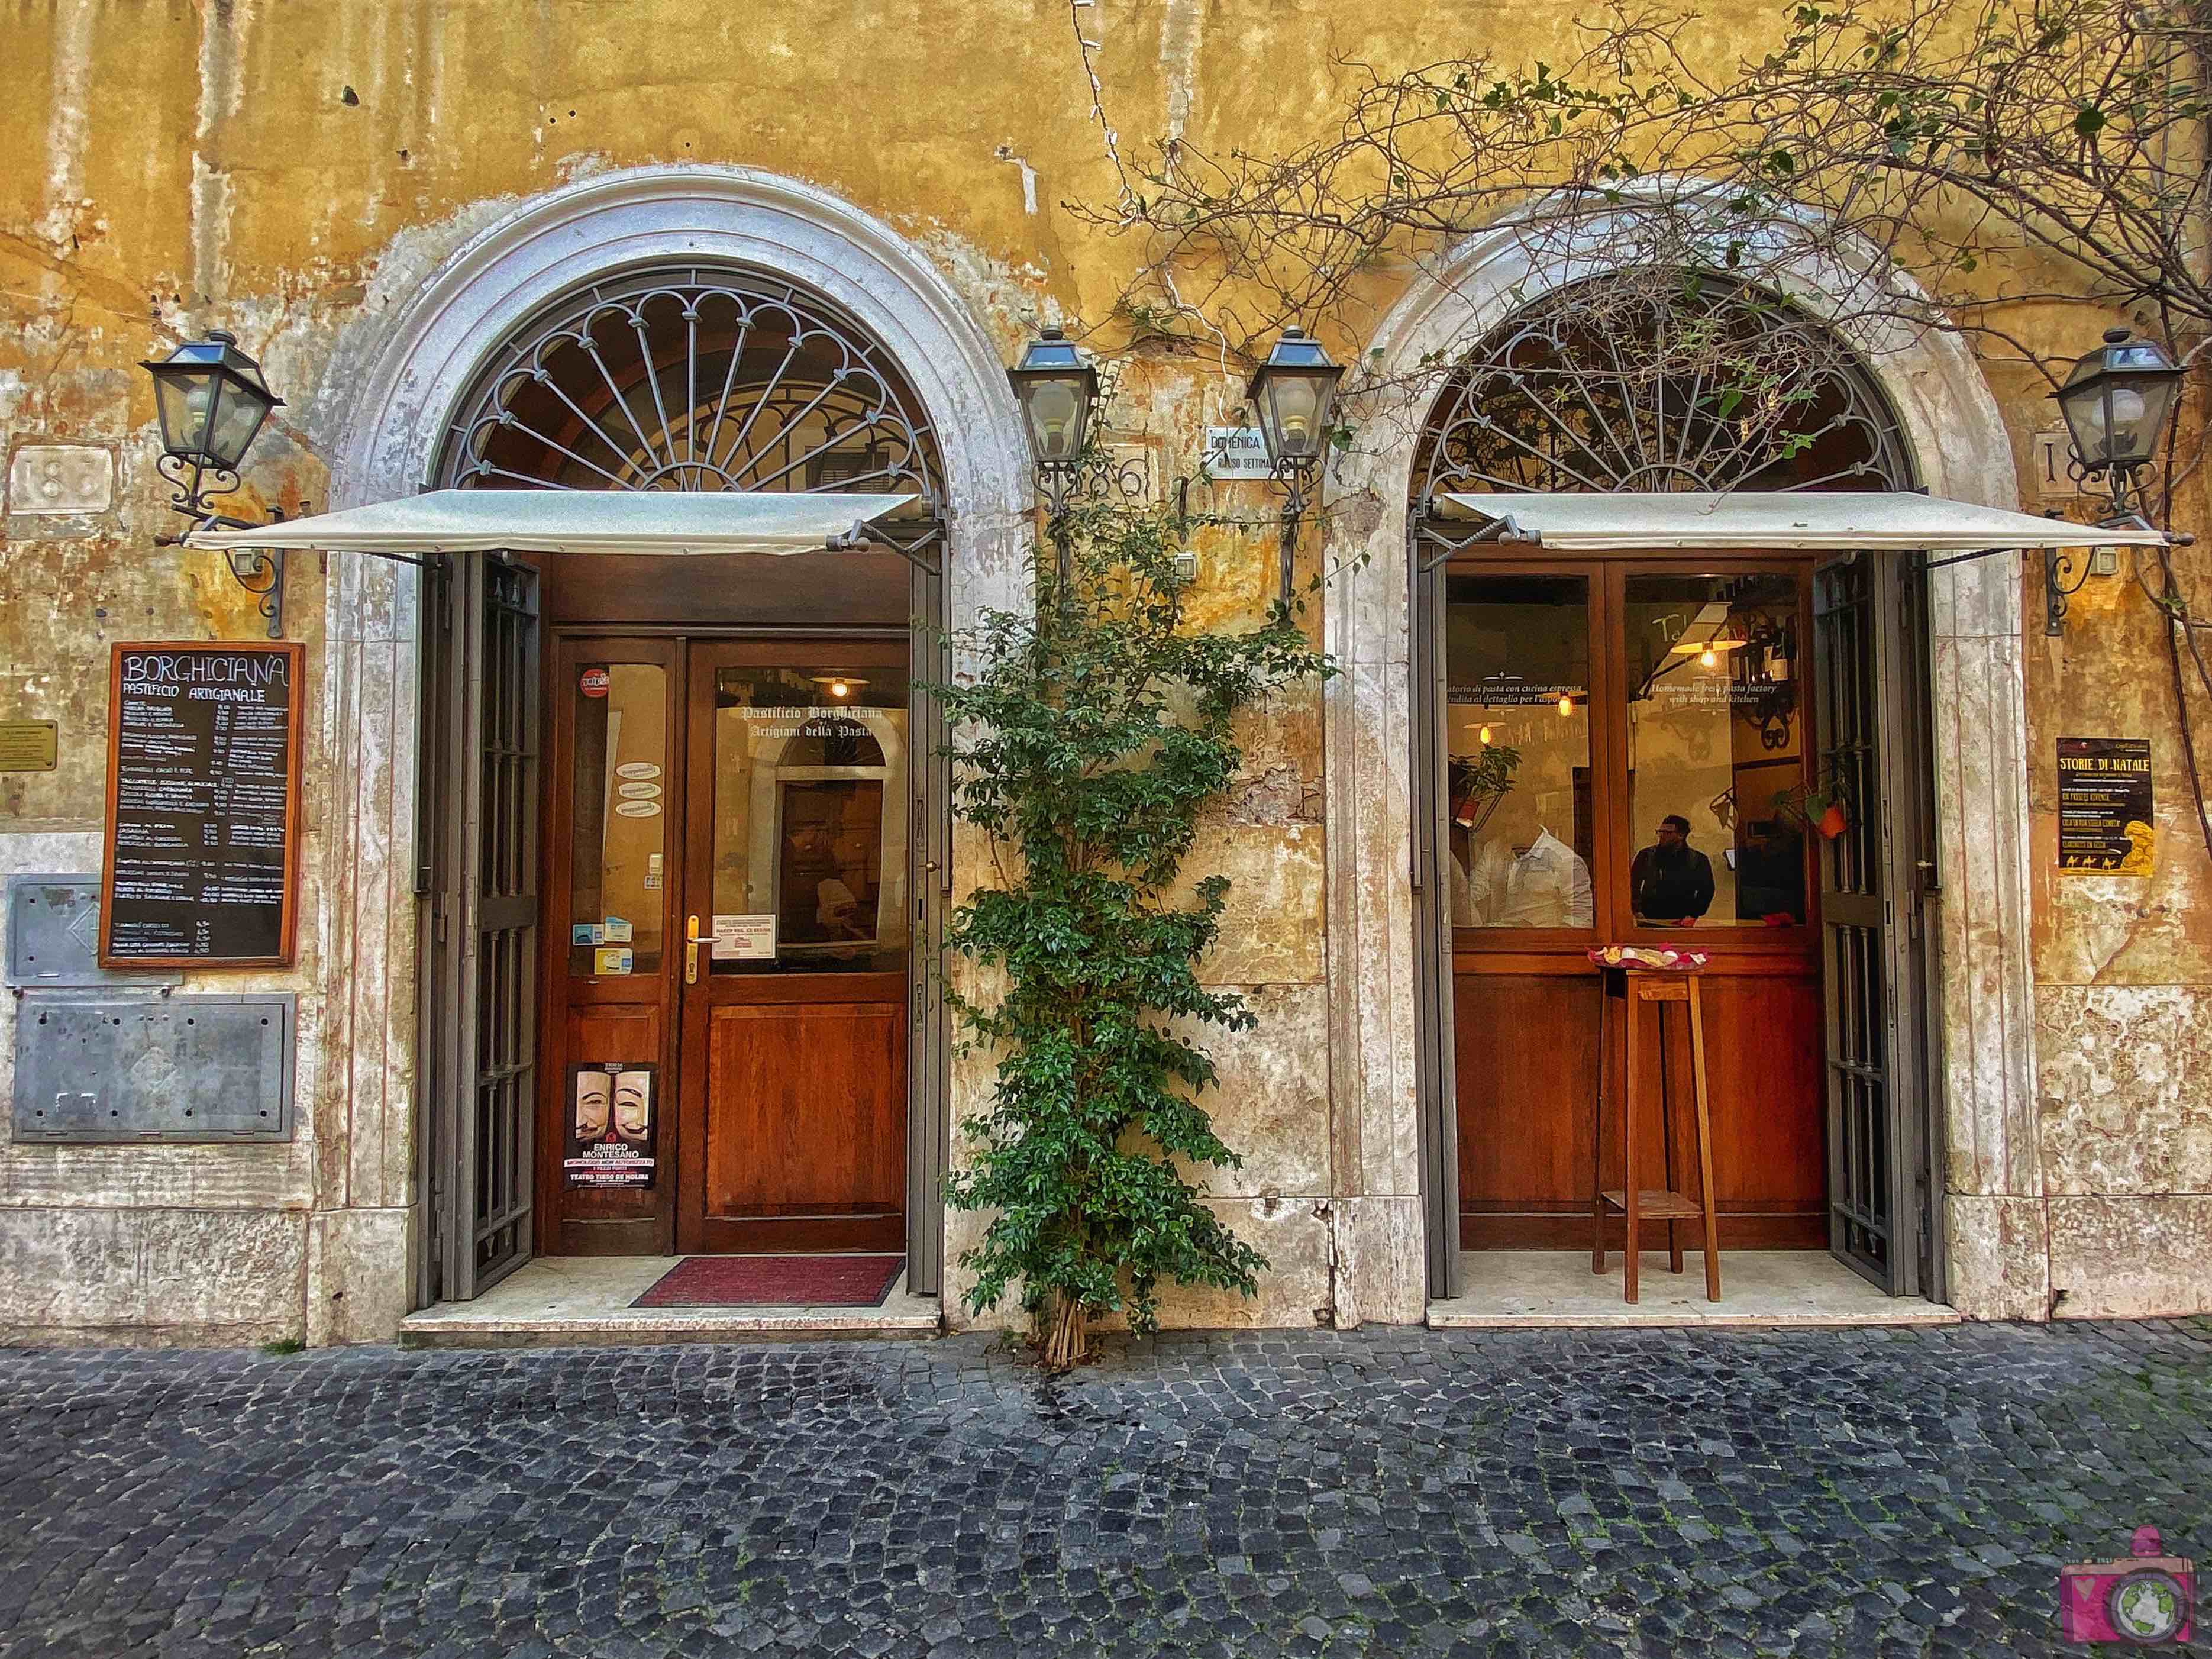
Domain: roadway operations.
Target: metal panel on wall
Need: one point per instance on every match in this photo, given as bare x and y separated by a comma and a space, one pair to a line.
209, 1067
54, 937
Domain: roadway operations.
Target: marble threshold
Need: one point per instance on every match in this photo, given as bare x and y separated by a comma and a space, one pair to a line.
570, 1300
1506, 1290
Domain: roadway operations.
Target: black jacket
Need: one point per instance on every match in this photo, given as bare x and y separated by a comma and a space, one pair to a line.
1673, 891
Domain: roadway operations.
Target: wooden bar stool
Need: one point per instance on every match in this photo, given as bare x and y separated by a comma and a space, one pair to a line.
1634, 977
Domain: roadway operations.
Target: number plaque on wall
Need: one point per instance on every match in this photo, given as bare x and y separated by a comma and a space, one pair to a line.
203, 805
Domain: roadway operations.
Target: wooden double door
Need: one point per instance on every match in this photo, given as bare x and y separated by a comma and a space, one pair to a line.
727, 922
1633, 757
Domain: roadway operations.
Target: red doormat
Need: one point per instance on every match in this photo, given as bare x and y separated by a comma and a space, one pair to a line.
756, 1281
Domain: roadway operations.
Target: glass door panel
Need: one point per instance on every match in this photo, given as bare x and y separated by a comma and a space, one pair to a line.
619, 815
1520, 822
809, 828
1715, 762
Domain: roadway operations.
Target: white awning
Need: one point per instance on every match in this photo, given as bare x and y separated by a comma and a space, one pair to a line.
1758, 521
576, 521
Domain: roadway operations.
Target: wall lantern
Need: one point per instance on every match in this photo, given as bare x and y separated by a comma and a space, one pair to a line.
211, 402
1056, 387
1294, 395
2117, 403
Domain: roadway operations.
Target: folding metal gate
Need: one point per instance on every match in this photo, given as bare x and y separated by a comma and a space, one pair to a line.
1874, 889
479, 839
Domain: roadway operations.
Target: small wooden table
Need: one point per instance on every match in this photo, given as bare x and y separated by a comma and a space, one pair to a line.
1634, 982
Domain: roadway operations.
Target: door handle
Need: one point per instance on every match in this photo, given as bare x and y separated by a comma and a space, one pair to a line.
692, 943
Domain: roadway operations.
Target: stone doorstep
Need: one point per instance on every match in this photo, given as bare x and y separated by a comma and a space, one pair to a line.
566, 1301
1535, 1289
1448, 1317
452, 1325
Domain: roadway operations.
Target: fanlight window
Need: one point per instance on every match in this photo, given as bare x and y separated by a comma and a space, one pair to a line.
1661, 380
692, 379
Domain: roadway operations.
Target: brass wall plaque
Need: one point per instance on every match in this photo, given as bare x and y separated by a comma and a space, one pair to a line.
28, 745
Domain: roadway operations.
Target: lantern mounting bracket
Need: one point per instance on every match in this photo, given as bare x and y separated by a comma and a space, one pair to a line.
260, 574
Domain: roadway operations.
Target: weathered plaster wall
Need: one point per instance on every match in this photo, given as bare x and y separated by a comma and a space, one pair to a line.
296, 173
2123, 967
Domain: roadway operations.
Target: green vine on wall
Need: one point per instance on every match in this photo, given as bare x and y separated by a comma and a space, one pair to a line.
1090, 737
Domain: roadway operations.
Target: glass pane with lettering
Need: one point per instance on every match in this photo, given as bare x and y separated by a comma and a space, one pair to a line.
1518, 806
1716, 751
809, 842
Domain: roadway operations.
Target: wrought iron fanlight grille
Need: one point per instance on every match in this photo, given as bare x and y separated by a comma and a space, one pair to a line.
1661, 380
693, 378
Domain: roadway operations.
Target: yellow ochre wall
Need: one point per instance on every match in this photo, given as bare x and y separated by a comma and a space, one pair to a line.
178, 165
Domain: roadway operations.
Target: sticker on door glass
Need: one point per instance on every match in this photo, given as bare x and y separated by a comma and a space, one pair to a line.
593, 682
617, 930
745, 939
637, 769
638, 791
610, 1139
637, 809
612, 959
584, 933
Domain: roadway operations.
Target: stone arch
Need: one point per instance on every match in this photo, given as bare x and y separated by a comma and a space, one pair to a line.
1956, 441
394, 381
494, 282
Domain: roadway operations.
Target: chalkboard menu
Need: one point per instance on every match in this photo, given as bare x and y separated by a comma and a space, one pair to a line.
203, 805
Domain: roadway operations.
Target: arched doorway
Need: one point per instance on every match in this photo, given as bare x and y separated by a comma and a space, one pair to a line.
1625, 747
612, 741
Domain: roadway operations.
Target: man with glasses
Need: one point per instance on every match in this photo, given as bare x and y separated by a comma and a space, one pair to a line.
1671, 883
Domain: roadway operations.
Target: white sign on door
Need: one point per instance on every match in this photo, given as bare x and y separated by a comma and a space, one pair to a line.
745, 939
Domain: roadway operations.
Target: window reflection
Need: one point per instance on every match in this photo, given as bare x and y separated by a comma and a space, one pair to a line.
810, 823
1716, 750
621, 824
1517, 728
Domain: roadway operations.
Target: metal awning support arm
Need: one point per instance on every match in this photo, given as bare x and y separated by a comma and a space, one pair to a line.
1498, 530
2123, 521
863, 534
269, 597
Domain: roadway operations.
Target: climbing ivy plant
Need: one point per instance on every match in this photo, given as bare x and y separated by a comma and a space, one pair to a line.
1093, 734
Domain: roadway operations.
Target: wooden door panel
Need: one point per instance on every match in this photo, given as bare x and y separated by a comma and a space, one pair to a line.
1526, 1065
1526, 1059
614, 1220
806, 1109
1763, 1065
589, 1016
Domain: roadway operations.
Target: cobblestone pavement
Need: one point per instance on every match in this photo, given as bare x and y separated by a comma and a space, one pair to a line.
1835, 1492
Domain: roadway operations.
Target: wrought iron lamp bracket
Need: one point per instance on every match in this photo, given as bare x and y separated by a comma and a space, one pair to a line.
2063, 576
191, 481
1295, 480
2066, 570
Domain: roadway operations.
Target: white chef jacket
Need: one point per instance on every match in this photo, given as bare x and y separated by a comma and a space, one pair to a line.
1546, 886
